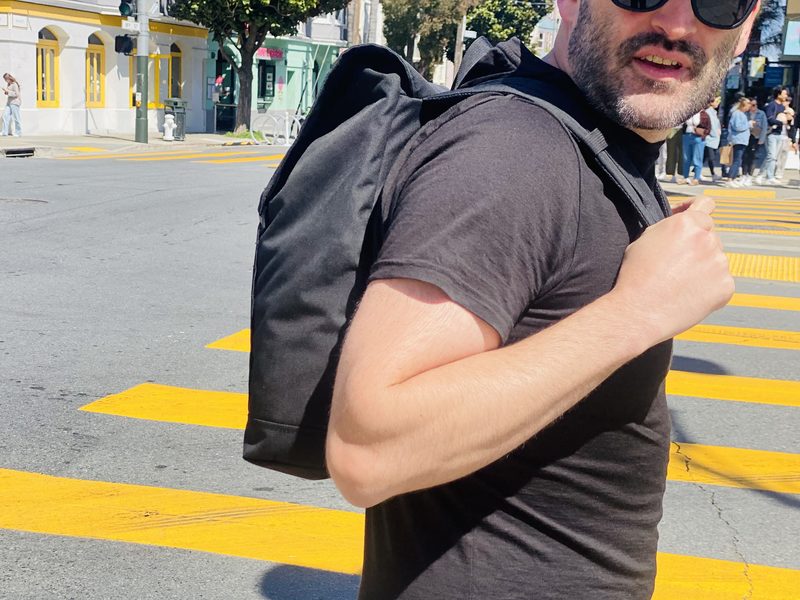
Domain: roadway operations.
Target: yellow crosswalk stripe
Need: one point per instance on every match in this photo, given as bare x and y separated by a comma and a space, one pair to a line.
305, 536
86, 149
740, 193
730, 213
760, 301
208, 408
734, 388
172, 404
762, 266
719, 334
773, 223
696, 578
764, 470
222, 161
239, 342
237, 526
112, 155
779, 232
735, 467
742, 336
188, 156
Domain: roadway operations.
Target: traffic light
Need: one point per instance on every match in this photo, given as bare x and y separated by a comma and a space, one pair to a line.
123, 44
126, 7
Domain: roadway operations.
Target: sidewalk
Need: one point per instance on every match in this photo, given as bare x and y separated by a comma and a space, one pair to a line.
64, 145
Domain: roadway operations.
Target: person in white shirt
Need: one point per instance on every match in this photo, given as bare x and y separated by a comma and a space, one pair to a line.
13, 102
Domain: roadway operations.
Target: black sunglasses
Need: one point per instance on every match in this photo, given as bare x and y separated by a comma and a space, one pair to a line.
719, 14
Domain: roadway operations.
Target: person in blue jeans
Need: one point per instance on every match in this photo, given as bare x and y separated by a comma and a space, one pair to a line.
739, 136
696, 128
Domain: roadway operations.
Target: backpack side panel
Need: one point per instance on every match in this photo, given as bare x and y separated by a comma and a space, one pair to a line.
310, 268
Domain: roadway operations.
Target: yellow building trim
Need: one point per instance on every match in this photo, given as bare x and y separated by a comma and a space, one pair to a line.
90, 18
174, 29
95, 76
47, 90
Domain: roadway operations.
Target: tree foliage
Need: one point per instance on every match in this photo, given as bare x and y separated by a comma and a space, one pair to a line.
244, 24
500, 20
433, 22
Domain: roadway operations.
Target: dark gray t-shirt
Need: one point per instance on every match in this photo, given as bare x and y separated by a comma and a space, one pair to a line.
499, 209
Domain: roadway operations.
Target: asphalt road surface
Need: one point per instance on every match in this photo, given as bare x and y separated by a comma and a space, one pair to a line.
120, 441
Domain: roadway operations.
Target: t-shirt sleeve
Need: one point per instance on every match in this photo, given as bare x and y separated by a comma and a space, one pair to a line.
488, 211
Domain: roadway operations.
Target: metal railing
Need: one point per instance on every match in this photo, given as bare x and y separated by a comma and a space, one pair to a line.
276, 128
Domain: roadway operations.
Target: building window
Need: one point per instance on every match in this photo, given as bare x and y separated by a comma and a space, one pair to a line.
158, 74
95, 73
175, 72
47, 70
266, 81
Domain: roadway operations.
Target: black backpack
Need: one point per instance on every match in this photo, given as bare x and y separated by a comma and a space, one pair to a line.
315, 242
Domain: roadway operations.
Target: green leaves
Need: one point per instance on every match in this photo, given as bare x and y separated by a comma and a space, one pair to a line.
499, 20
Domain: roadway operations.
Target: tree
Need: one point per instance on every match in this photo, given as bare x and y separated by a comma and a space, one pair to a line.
244, 24
433, 22
499, 20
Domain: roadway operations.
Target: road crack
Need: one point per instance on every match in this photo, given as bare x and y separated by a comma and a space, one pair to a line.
736, 540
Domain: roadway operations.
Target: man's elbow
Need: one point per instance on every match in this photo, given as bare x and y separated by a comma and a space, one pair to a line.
356, 472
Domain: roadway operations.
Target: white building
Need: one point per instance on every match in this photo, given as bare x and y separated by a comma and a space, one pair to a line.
73, 82
544, 33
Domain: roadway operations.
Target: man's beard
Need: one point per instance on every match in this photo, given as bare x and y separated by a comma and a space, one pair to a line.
655, 105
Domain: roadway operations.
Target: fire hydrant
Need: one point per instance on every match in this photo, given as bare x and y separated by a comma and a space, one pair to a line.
169, 128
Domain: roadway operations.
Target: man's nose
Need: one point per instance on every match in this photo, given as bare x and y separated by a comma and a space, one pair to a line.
675, 19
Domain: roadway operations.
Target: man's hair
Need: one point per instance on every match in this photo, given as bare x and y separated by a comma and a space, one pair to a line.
776, 91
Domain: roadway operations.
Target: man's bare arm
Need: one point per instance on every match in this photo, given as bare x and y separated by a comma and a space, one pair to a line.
424, 395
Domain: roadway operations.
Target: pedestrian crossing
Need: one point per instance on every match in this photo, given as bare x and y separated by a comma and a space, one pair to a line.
331, 540
211, 156
752, 211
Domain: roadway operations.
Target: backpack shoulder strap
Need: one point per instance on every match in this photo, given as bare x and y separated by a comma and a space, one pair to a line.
614, 163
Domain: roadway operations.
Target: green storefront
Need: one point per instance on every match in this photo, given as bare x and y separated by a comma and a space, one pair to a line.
287, 75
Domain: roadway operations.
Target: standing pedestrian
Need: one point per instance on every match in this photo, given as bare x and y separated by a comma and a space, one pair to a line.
755, 152
13, 103
713, 138
774, 136
787, 118
674, 146
695, 130
499, 404
739, 136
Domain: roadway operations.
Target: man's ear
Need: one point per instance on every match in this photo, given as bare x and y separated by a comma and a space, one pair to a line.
568, 9
746, 29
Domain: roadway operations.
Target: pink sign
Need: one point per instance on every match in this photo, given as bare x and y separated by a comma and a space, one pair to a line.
270, 53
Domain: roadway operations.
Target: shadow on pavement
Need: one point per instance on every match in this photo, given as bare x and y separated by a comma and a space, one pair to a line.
286, 582
697, 365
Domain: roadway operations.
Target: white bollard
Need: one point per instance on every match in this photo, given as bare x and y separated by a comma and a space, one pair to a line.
169, 128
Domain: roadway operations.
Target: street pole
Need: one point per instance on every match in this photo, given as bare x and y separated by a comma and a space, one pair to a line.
142, 65
459, 52
356, 30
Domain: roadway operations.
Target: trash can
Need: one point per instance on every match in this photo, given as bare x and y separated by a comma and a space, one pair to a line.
177, 108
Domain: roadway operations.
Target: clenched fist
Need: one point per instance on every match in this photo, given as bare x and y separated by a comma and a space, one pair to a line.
676, 273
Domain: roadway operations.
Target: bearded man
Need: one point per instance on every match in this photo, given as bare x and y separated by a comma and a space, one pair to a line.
499, 406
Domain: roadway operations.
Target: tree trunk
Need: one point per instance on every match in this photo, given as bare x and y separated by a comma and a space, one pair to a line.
245, 73
410, 48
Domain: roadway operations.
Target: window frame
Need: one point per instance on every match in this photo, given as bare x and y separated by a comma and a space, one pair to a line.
153, 85
47, 79
96, 51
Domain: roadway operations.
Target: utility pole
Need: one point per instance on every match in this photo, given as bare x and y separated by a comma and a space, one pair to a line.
142, 66
356, 29
459, 51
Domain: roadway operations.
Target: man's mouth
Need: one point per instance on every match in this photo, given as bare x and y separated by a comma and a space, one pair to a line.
659, 62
